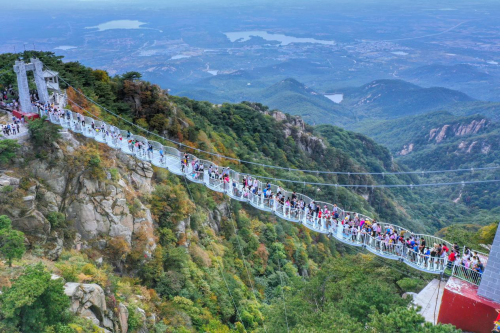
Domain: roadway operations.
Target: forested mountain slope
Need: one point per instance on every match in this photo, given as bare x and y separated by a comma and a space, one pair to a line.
295, 98
182, 258
441, 140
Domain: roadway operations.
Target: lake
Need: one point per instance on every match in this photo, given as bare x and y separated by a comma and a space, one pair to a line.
118, 24
336, 98
179, 56
243, 36
400, 53
65, 47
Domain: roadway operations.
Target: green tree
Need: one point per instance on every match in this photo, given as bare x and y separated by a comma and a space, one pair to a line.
101, 75
11, 241
131, 76
405, 320
134, 318
8, 149
349, 294
34, 302
43, 133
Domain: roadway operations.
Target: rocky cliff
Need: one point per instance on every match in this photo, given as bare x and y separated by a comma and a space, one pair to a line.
295, 127
459, 129
94, 207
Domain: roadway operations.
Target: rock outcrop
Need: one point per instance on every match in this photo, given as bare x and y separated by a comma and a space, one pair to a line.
406, 149
89, 301
296, 128
460, 129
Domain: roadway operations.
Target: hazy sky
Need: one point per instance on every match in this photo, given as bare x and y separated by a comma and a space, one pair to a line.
36, 4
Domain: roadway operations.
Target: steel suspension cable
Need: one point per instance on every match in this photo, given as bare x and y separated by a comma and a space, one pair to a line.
462, 183
282, 292
191, 196
243, 258
220, 266
274, 166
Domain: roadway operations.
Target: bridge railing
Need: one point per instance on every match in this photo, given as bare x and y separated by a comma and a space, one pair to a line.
340, 228
466, 274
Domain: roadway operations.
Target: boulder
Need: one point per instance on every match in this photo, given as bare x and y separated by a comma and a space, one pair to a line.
90, 185
181, 230
54, 177
34, 223
123, 317
123, 229
88, 222
50, 200
120, 207
141, 172
7, 180
87, 301
29, 201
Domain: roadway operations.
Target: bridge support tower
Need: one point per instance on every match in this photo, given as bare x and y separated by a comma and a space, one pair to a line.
21, 69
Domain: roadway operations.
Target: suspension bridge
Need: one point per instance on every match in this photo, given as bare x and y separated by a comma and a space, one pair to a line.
171, 159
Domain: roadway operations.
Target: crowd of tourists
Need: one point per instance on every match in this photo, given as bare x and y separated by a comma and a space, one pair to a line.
8, 99
382, 237
13, 128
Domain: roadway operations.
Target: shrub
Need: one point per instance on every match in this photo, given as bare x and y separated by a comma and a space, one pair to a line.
8, 149
89, 269
115, 175
117, 249
6, 189
170, 284
134, 319
34, 302
11, 241
43, 133
411, 285
57, 220
69, 273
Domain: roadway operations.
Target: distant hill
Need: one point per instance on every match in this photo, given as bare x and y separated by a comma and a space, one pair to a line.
385, 99
479, 83
203, 95
446, 74
377, 100
441, 141
228, 87
426, 131
295, 98
287, 95
489, 110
